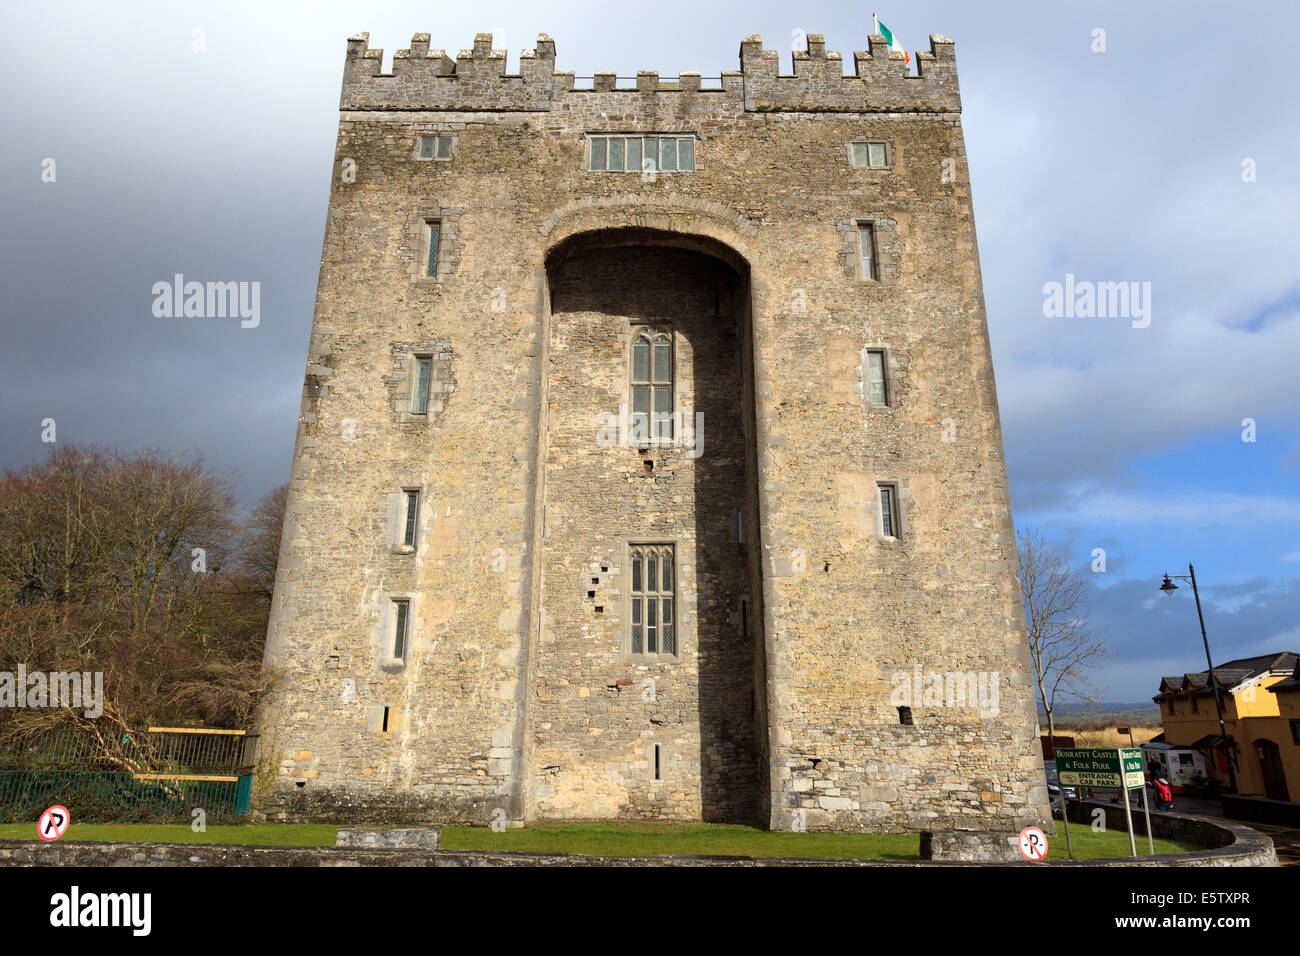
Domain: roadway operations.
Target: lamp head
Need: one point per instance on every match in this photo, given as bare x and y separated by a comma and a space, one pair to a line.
1168, 586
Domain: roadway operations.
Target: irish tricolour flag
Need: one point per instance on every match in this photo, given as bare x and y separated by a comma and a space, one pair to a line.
889, 38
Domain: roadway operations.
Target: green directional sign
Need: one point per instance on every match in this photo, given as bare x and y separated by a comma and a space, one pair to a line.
1119, 769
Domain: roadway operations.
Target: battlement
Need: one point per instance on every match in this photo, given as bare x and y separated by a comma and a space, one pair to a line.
476, 79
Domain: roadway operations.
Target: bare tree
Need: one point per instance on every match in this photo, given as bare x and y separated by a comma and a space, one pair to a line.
1060, 643
129, 566
260, 548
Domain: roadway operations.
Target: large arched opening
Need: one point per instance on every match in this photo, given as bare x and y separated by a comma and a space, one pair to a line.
649, 666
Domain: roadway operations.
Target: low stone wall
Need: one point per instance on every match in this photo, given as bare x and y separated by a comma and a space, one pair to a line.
1236, 846
1261, 810
971, 846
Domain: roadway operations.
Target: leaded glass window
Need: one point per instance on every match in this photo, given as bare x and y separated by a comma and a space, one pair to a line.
412, 509
653, 589
637, 154
888, 520
437, 146
867, 237
420, 397
876, 376
402, 609
435, 229
868, 155
652, 386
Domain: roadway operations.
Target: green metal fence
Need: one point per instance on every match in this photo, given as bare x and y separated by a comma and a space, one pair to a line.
93, 796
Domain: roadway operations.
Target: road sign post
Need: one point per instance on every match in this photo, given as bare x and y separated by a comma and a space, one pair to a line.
1128, 810
1119, 769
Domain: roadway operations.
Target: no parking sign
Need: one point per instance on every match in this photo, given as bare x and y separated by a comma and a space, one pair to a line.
53, 823
1033, 844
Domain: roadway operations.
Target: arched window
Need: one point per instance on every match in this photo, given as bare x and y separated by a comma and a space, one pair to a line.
652, 386
652, 630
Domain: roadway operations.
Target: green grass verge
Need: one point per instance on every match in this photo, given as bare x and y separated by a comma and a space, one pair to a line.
615, 838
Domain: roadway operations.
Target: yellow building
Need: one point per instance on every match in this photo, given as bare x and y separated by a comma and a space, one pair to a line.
1262, 724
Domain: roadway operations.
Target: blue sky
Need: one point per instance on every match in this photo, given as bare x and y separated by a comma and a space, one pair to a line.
1122, 165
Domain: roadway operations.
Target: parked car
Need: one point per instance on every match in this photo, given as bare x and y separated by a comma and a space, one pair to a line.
1054, 782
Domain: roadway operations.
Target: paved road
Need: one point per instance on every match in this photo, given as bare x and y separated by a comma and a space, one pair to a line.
1286, 840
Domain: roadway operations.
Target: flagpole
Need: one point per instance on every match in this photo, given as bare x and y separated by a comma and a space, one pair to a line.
875, 23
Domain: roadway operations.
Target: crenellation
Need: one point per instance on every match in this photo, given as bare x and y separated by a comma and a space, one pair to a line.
476, 79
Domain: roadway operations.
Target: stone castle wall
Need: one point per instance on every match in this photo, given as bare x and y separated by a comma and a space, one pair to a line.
516, 698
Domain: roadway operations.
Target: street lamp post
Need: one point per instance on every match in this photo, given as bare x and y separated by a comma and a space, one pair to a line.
1168, 587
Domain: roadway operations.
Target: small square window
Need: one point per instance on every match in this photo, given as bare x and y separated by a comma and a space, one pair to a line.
868, 155
435, 146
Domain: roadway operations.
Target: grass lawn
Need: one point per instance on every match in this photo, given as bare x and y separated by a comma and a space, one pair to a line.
614, 838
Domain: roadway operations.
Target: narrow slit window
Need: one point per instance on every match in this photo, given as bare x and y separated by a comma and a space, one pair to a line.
412, 509
888, 517
652, 614
384, 726
423, 374
657, 776
876, 376
867, 239
434, 228
399, 631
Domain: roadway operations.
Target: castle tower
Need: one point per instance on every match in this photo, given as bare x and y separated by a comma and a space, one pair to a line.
649, 462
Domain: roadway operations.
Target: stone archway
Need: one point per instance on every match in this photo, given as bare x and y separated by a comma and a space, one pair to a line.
681, 738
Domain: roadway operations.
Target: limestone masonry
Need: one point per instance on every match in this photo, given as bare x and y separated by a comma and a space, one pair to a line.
649, 462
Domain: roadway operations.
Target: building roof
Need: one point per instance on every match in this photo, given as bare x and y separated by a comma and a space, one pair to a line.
1292, 683
1231, 676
